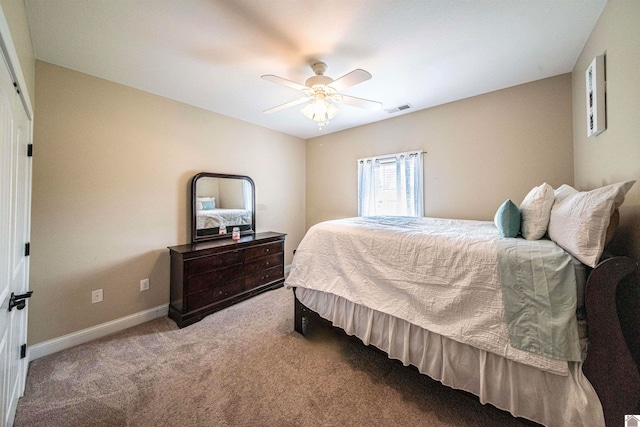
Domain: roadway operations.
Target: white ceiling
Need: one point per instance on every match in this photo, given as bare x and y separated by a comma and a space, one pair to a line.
211, 53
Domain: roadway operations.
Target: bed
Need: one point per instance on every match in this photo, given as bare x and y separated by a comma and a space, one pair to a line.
529, 325
214, 218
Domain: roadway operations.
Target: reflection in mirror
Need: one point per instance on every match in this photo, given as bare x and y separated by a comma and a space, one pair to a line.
219, 203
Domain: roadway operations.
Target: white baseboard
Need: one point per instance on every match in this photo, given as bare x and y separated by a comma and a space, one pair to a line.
85, 335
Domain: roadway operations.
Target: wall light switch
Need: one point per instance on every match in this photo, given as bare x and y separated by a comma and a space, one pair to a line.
144, 285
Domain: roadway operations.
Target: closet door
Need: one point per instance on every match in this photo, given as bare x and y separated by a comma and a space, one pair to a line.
15, 208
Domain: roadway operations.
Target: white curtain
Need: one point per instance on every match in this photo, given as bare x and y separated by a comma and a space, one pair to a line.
391, 185
247, 194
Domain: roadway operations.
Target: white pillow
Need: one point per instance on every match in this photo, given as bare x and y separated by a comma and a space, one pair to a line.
579, 219
536, 211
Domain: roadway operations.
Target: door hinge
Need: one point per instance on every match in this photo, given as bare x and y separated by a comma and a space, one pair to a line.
30, 150
27, 249
15, 85
23, 351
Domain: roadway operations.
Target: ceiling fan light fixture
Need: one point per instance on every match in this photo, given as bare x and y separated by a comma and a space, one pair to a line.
321, 89
320, 111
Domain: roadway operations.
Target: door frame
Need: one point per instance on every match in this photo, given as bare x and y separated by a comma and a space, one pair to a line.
9, 50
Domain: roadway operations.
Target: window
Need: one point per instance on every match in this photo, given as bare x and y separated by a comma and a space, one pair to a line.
390, 185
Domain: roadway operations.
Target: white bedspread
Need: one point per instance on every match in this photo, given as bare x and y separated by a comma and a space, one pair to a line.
439, 274
213, 218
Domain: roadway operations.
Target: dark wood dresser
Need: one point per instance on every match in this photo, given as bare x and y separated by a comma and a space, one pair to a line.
212, 275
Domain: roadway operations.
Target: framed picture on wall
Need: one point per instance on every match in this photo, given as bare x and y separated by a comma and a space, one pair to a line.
596, 105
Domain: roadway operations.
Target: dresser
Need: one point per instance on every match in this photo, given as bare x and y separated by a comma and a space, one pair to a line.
212, 275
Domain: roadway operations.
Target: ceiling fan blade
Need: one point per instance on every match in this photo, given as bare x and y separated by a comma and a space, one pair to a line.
285, 82
286, 105
357, 102
350, 79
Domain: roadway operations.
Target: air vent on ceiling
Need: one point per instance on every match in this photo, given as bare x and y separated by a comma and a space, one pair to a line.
398, 108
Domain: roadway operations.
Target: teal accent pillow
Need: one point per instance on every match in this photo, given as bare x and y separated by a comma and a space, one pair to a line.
507, 219
207, 206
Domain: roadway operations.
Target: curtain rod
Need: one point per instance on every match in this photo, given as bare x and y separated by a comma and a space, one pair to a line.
390, 156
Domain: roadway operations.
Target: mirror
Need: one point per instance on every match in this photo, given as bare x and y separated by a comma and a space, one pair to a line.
220, 202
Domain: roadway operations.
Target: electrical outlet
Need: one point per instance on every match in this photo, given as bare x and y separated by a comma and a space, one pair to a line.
96, 296
144, 285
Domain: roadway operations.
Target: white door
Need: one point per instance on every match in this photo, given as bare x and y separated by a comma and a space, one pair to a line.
15, 208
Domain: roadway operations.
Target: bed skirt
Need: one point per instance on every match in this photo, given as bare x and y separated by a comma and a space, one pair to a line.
548, 399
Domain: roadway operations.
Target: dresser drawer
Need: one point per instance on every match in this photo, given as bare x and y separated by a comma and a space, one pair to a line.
263, 263
264, 277
211, 279
262, 250
208, 276
208, 263
216, 294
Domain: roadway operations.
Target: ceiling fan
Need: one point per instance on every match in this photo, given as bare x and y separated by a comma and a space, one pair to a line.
322, 92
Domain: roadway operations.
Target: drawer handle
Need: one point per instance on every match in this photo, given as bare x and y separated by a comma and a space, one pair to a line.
268, 263
268, 249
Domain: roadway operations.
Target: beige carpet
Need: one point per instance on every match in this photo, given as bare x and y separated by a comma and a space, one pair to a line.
243, 366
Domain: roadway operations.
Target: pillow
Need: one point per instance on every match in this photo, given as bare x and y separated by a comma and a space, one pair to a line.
535, 210
563, 192
507, 219
207, 206
201, 200
579, 219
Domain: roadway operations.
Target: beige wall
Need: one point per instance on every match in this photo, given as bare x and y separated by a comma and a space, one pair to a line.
480, 151
614, 155
111, 176
16, 16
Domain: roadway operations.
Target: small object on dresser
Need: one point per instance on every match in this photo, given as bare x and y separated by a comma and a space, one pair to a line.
223, 229
235, 234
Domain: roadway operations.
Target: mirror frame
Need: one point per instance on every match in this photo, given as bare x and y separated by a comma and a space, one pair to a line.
194, 180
